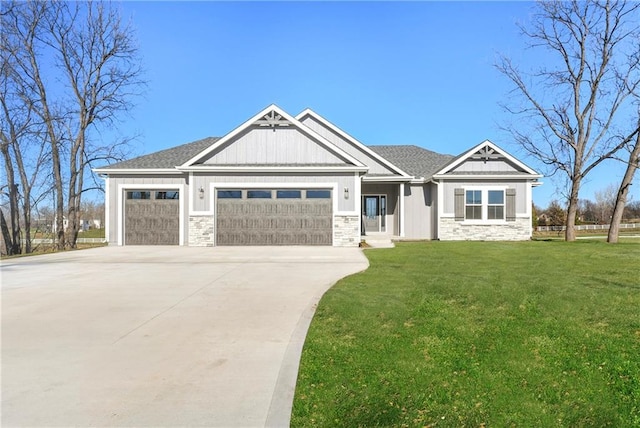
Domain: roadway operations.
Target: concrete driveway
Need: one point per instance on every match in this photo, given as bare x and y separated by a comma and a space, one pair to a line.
160, 336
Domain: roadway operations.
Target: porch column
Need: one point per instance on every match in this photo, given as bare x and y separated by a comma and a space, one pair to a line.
401, 216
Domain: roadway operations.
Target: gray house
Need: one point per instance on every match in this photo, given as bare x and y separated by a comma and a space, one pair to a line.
284, 180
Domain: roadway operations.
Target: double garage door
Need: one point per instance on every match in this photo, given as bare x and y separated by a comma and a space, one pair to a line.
274, 217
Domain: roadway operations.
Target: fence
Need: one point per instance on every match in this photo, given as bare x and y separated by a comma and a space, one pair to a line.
586, 227
79, 241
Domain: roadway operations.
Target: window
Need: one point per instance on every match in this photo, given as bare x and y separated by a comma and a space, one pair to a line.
138, 195
495, 207
289, 194
473, 205
229, 194
167, 195
318, 194
259, 194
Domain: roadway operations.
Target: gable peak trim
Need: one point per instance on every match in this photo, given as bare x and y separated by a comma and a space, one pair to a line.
487, 150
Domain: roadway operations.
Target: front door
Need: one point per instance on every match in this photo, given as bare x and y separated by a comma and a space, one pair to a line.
374, 211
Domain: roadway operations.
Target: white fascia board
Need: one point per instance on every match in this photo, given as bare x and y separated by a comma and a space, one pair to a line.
129, 171
474, 149
387, 179
314, 135
218, 168
487, 177
351, 139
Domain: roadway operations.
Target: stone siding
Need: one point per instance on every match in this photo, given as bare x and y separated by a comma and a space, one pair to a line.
202, 231
451, 230
346, 230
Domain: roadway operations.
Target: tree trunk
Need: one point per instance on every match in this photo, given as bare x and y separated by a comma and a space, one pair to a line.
623, 191
572, 212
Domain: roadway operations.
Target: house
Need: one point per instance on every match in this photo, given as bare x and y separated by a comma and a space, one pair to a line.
282, 180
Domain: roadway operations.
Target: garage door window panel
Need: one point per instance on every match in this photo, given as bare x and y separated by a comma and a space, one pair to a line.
289, 194
136, 195
318, 194
259, 194
229, 194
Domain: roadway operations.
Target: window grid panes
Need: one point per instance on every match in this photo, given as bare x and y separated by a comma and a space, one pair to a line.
495, 207
473, 205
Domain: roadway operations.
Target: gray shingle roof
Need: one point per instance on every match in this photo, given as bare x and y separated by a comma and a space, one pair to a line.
413, 160
168, 158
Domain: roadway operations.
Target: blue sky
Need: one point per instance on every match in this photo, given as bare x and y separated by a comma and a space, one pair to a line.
386, 72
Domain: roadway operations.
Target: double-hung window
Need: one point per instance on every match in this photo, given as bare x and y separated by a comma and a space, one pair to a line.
495, 205
484, 204
473, 205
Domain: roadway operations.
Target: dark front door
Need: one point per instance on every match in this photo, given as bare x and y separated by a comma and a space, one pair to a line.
374, 211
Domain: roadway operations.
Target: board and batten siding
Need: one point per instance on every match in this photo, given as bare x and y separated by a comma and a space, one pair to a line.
418, 207
244, 180
146, 182
268, 146
449, 186
375, 167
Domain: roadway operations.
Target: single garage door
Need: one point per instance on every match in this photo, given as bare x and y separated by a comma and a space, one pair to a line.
274, 217
152, 217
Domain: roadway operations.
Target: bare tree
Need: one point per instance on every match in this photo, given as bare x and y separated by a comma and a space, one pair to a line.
605, 199
96, 72
621, 197
576, 101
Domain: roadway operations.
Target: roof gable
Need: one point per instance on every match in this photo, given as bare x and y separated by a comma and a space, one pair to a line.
486, 159
272, 138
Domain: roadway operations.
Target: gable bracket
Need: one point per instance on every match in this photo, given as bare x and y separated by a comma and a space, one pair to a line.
272, 120
487, 153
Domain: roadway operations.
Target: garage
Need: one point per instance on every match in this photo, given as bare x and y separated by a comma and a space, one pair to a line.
274, 217
152, 217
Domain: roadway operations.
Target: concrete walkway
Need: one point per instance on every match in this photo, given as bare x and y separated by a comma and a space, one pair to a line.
160, 336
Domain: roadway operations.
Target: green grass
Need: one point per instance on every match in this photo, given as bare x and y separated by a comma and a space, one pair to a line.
471, 334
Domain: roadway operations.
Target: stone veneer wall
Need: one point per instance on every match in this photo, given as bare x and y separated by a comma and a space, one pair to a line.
346, 230
451, 230
202, 231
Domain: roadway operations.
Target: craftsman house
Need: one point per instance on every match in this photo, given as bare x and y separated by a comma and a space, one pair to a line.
284, 180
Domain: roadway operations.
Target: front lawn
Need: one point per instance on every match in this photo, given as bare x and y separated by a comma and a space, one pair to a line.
470, 334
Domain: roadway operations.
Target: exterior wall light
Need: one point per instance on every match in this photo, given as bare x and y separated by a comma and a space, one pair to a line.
201, 192
346, 193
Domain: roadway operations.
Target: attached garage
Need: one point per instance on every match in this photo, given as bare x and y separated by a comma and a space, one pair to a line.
152, 217
274, 217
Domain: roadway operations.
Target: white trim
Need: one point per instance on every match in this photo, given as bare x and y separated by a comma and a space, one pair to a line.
465, 156
129, 171
389, 179
485, 176
485, 204
358, 202
218, 168
294, 122
120, 205
401, 216
350, 139
440, 210
107, 211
